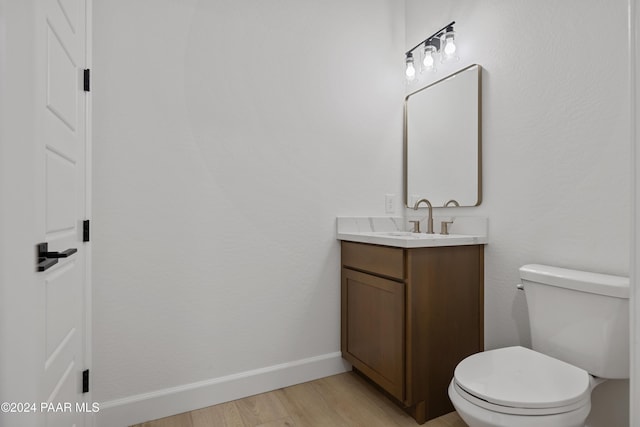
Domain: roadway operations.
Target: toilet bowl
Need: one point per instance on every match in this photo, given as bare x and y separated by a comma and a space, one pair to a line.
515, 386
579, 327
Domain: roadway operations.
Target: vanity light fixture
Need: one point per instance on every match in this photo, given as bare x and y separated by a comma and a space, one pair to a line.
442, 42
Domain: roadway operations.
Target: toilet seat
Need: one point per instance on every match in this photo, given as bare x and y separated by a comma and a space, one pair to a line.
516, 380
477, 416
491, 407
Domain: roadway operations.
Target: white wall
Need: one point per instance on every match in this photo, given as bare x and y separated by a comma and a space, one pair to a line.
19, 289
555, 145
228, 135
634, 53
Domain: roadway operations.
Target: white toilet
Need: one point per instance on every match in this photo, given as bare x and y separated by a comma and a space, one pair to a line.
580, 336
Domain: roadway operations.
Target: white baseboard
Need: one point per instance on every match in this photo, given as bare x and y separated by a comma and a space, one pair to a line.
175, 400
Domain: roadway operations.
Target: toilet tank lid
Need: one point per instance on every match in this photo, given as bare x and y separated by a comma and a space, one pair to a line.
595, 283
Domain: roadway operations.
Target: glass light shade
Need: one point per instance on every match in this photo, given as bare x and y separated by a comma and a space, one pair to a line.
429, 58
448, 46
410, 71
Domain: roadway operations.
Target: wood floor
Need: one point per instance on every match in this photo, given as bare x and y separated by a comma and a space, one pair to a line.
340, 400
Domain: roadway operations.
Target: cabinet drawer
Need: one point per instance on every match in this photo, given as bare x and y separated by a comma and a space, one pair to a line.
382, 260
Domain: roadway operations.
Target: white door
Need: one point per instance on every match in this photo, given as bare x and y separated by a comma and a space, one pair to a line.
61, 50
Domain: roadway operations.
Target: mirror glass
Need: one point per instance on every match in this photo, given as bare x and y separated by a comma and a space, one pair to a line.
442, 137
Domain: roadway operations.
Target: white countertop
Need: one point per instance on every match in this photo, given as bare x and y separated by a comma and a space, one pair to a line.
389, 232
404, 239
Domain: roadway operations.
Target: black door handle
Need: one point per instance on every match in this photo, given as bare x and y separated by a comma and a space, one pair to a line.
46, 263
63, 254
48, 259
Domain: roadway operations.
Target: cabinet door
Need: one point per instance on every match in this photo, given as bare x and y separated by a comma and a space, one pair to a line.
373, 328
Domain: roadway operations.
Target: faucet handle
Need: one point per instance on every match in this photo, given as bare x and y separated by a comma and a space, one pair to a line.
416, 226
444, 230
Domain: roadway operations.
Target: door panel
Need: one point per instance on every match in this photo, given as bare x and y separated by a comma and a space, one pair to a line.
63, 205
61, 79
65, 392
61, 316
70, 10
61, 202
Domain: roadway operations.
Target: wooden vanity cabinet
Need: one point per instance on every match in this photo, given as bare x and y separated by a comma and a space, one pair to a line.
409, 316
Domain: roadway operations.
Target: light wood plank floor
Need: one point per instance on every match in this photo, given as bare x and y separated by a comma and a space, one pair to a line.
339, 401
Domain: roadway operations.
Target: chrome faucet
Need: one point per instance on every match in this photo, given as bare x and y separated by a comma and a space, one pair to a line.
453, 202
430, 218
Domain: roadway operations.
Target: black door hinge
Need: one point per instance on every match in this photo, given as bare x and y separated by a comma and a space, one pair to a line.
87, 80
85, 381
85, 230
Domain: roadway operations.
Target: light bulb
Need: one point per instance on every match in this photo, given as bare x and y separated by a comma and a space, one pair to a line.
450, 47
428, 61
410, 71
429, 58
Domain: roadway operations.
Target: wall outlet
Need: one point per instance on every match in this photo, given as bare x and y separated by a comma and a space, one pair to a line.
390, 203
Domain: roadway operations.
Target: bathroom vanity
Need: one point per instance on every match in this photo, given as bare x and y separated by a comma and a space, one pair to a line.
409, 315
412, 303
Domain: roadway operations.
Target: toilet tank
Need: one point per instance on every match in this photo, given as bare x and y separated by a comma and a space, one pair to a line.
579, 317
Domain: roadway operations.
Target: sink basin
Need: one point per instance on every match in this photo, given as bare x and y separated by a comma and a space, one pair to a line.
410, 235
397, 233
